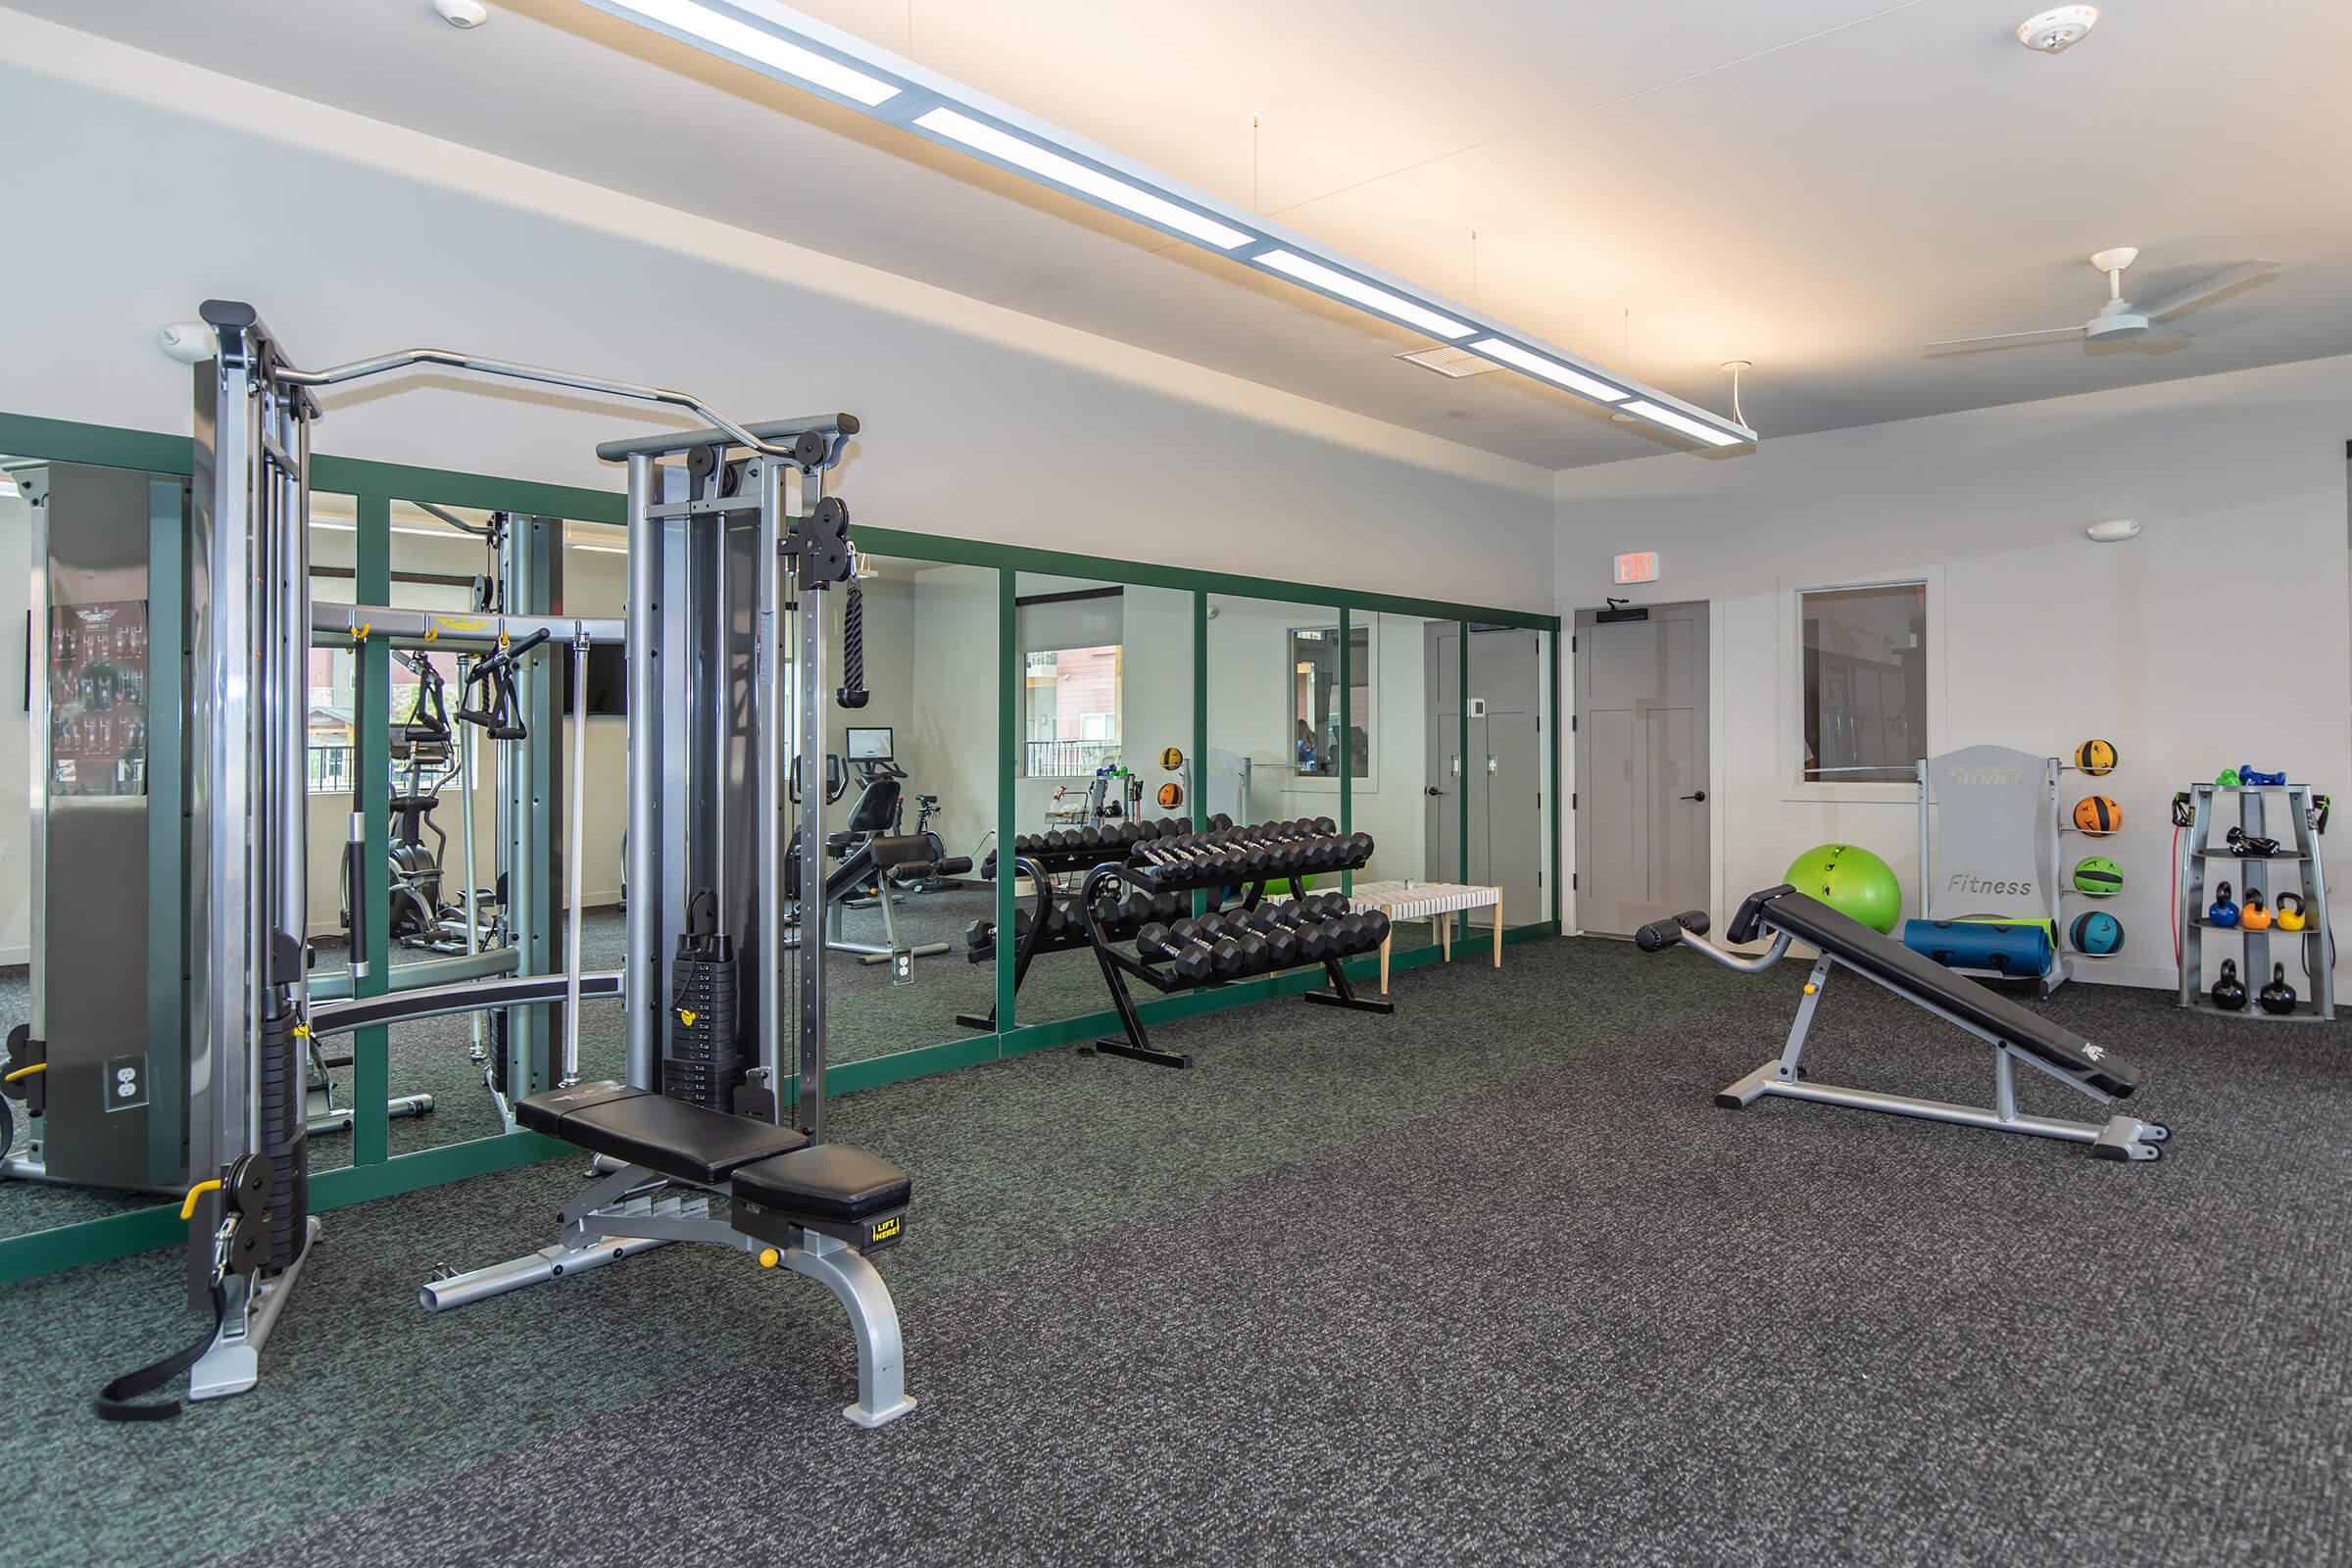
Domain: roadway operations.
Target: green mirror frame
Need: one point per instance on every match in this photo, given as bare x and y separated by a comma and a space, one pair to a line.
374, 1172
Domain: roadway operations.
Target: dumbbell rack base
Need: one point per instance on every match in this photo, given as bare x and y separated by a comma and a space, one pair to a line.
1134, 1042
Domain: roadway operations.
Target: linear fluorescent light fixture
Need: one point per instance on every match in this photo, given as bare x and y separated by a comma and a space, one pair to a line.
803, 52
1682, 424
1511, 354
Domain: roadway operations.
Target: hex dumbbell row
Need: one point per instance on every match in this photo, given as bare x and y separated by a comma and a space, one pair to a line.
1091, 845
1237, 943
1259, 852
1119, 919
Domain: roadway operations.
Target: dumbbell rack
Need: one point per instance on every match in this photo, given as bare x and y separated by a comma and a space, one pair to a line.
1040, 935
1119, 965
2253, 873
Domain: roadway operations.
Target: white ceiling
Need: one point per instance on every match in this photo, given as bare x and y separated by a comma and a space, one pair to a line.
1821, 186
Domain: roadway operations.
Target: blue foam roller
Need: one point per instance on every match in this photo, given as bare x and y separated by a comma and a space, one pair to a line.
2021, 949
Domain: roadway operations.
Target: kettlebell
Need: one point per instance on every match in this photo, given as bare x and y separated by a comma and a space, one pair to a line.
2225, 779
2221, 912
2230, 992
2287, 910
2278, 995
2254, 914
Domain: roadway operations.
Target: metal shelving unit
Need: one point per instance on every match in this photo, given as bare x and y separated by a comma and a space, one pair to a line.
2253, 873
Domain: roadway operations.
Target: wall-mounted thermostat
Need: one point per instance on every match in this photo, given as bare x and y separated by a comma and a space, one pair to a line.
1478, 707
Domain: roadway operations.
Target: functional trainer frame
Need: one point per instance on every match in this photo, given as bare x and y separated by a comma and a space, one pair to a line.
2014, 1034
251, 1017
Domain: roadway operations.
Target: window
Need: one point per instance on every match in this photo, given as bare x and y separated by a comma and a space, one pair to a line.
1072, 726
1324, 730
1865, 682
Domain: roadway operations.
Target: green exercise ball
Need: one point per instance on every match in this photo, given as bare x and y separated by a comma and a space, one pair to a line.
1852, 881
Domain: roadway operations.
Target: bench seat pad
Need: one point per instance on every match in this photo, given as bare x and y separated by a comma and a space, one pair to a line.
826, 1182
689, 1143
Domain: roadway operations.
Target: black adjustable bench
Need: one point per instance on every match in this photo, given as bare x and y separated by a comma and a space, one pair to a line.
2016, 1033
815, 1209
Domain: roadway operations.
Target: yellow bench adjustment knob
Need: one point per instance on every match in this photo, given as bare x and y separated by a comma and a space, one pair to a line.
769, 1257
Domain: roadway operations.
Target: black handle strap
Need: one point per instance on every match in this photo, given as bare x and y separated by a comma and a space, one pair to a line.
116, 1402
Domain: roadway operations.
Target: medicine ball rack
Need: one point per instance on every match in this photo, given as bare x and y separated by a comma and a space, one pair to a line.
1255, 856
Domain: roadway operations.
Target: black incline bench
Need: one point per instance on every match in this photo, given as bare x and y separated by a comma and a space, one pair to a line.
815, 1209
2016, 1033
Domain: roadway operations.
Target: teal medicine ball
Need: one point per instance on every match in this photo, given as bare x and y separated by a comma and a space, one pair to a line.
2096, 932
2099, 876
1851, 880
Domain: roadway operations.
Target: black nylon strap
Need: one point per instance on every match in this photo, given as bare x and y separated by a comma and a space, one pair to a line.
114, 1401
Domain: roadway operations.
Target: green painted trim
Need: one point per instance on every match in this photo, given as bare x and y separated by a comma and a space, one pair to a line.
449, 488
1461, 792
371, 697
1199, 728
97, 1241
921, 1063
1011, 715
168, 519
376, 484
112, 446
22, 435
1347, 701
1151, 574
431, 1167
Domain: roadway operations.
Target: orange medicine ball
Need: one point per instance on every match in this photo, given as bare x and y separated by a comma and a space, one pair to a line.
2096, 813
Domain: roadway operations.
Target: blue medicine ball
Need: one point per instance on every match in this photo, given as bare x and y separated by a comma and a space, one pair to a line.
2096, 932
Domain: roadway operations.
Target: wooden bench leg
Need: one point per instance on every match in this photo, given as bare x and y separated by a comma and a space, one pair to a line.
1446, 935
1497, 930
1384, 964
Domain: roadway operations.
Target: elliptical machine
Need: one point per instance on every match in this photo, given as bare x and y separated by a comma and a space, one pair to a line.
421, 918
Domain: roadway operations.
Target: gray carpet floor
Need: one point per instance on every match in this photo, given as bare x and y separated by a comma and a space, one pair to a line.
1490, 1280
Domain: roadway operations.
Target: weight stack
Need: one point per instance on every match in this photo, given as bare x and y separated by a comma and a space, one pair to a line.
704, 1061
285, 1139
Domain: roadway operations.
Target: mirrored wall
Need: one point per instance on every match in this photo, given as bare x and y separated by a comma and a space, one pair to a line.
910, 784
1104, 673
1001, 698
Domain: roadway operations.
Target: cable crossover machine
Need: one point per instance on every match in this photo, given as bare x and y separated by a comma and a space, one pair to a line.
728, 527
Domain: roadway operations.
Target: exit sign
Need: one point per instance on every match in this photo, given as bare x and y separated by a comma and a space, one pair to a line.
1640, 566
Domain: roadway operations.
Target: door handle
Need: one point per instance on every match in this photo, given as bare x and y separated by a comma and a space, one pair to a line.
1700, 795
1434, 793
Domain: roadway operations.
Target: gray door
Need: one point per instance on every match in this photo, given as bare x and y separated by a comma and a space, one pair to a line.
1505, 775
1442, 786
1640, 801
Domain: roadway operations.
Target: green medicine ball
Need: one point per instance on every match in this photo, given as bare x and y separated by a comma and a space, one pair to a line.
2099, 876
1851, 880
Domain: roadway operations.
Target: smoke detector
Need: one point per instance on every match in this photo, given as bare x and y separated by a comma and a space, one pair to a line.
467, 14
2053, 31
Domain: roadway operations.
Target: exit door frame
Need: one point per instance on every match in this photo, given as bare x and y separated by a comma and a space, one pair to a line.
1575, 623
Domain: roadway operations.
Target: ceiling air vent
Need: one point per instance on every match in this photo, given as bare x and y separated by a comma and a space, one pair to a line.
1453, 363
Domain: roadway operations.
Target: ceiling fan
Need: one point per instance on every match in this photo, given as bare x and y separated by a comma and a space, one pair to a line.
2121, 319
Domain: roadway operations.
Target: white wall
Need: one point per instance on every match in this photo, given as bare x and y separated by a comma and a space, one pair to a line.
2218, 636
355, 237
